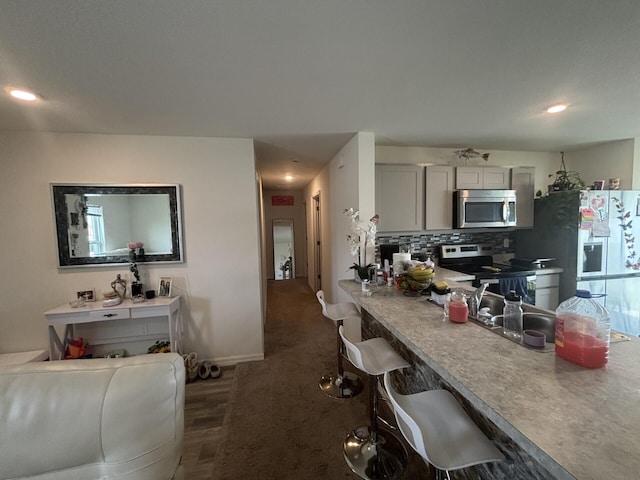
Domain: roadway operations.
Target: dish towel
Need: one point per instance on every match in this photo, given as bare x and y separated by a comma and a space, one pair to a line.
519, 284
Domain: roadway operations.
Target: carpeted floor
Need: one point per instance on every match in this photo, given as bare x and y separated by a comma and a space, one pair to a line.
278, 424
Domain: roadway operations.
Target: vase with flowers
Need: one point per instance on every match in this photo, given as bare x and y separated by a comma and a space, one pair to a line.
362, 242
136, 254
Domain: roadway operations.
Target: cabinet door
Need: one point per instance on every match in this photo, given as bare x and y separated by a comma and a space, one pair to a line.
547, 298
496, 178
400, 197
546, 281
438, 197
523, 182
469, 178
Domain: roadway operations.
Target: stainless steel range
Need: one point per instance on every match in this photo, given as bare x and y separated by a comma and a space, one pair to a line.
477, 259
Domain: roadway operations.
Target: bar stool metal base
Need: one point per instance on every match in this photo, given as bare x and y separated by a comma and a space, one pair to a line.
347, 385
383, 459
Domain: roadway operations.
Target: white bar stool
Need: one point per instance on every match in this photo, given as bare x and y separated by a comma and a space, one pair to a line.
373, 454
344, 384
439, 430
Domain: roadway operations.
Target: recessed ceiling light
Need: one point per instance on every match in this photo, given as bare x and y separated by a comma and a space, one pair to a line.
556, 108
288, 178
25, 95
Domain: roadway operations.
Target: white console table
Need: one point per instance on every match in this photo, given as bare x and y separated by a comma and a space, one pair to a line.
133, 325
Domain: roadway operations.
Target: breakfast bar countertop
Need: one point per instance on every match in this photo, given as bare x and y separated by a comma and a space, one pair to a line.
579, 423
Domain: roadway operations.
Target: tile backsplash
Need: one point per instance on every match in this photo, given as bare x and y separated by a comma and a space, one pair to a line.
428, 243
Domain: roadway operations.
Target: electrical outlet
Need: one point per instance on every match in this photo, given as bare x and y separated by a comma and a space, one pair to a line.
506, 243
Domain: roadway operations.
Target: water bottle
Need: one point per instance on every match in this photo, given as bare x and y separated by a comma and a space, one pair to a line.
583, 330
512, 316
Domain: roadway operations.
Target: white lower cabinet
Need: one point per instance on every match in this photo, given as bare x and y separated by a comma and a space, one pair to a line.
547, 291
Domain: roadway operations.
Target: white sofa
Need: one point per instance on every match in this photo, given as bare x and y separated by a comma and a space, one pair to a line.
93, 419
18, 358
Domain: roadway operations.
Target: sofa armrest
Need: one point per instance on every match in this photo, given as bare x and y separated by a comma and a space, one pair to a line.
92, 418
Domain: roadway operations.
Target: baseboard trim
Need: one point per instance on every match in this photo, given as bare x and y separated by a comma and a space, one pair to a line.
234, 360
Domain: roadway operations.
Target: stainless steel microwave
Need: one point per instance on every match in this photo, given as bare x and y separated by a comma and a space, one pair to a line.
484, 208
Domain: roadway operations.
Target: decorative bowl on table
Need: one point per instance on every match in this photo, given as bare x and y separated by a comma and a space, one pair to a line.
416, 279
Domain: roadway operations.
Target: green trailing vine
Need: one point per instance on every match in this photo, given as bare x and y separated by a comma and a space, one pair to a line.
560, 207
626, 221
566, 179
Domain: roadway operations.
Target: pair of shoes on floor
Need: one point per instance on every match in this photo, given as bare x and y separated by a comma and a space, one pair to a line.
191, 365
207, 369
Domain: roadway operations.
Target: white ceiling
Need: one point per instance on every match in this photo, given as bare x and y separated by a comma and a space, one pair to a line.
302, 76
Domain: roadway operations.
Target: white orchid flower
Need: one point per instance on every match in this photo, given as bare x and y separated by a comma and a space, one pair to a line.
363, 238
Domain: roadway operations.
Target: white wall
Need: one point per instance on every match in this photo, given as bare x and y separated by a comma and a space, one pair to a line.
545, 163
348, 181
602, 162
221, 279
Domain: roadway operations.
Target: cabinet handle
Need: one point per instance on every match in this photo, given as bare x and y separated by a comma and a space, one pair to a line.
109, 315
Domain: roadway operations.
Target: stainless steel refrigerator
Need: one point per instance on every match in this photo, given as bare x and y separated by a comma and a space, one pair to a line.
601, 255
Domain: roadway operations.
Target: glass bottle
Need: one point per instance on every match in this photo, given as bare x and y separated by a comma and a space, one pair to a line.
458, 308
512, 316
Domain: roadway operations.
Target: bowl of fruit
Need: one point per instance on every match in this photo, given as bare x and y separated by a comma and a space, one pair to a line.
416, 278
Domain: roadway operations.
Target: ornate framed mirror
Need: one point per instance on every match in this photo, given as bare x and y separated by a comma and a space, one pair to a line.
97, 224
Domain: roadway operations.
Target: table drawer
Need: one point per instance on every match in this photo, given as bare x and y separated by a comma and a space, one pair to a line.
111, 314
155, 311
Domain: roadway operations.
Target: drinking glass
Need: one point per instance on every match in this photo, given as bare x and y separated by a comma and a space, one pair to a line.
447, 300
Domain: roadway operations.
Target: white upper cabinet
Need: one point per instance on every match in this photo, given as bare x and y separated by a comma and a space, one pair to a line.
413, 197
438, 197
523, 182
400, 197
484, 178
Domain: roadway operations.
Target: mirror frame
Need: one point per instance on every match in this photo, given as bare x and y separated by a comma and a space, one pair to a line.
61, 220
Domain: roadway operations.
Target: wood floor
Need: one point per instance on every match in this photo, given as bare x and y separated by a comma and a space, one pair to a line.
205, 405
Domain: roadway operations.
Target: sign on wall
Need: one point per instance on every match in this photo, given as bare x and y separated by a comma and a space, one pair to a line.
282, 200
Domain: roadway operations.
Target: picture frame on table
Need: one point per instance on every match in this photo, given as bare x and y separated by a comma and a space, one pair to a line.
165, 285
89, 295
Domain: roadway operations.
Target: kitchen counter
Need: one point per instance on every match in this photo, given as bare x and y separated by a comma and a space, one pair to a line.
577, 423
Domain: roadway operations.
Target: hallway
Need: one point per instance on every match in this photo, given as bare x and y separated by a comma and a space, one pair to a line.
277, 421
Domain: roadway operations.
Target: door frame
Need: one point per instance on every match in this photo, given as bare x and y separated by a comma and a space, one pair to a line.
317, 243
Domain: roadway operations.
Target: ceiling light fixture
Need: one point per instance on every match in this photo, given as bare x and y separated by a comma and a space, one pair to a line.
25, 95
288, 178
556, 108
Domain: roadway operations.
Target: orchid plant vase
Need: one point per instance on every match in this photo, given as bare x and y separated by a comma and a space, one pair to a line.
362, 242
